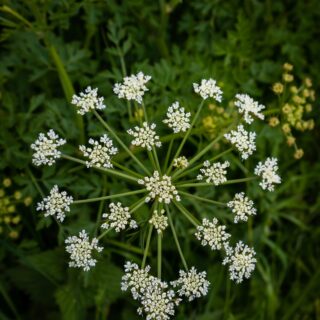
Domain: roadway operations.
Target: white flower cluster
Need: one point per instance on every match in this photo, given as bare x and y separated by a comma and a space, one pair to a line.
157, 301
215, 173
118, 218
177, 118
242, 207
212, 234
87, 101
192, 284
45, 148
99, 153
248, 106
159, 220
241, 260
160, 188
181, 162
80, 249
208, 89
133, 87
145, 136
243, 140
56, 204
268, 172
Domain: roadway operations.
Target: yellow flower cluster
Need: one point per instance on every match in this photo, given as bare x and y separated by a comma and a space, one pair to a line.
294, 103
9, 218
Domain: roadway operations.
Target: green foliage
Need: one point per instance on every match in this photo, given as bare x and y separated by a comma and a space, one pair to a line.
51, 48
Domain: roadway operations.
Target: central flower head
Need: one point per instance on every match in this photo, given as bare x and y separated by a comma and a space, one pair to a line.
160, 187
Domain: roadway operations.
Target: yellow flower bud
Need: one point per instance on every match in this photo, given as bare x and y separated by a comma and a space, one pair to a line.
298, 100
299, 126
286, 108
277, 88
17, 195
287, 67
7, 219
294, 89
11, 209
27, 201
220, 110
298, 154
286, 128
306, 93
16, 219
13, 234
291, 141
2, 193
312, 95
311, 124
308, 107
7, 182
273, 121
211, 106
308, 82
287, 77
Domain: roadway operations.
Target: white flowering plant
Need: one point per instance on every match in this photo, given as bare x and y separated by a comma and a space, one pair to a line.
166, 174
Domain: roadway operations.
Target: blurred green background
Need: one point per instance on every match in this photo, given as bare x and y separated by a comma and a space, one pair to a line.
52, 48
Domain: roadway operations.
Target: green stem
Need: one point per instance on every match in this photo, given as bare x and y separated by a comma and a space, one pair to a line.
165, 166
111, 171
36, 184
146, 249
159, 260
118, 195
182, 172
155, 156
176, 240
187, 214
203, 199
100, 210
145, 112
121, 143
118, 165
104, 233
186, 135
126, 246
137, 205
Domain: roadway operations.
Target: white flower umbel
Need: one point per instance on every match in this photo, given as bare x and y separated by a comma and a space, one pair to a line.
132, 88
242, 207
247, 106
177, 119
212, 234
46, 148
192, 284
159, 220
214, 173
241, 261
208, 89
181, 162
81, 249
268, 172
243, 140
99, 153
118, 218
160, 188
145, 136
87, 101
158, 302
56, 204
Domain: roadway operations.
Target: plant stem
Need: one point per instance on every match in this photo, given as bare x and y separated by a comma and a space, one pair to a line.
144, 112
36, 184
156, 159
113, 196
203, 199
139, 176
121, 143
111, 171
165, 166
146, 249
100, 210
187, 214
104, 233
124, 246
186, 135
159, 260
176, 240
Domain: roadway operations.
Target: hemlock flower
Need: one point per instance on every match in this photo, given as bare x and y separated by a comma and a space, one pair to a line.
212, 234
159, 220
145, 136
247, 106
177, 119
99, 153
241, 261
133, 87
118, 218
208, 89
181, 162
56, 204
46, 148
87, 101
81, 249
242, 207
192, 284
160, 188
268, 172
243, 140
214, 173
